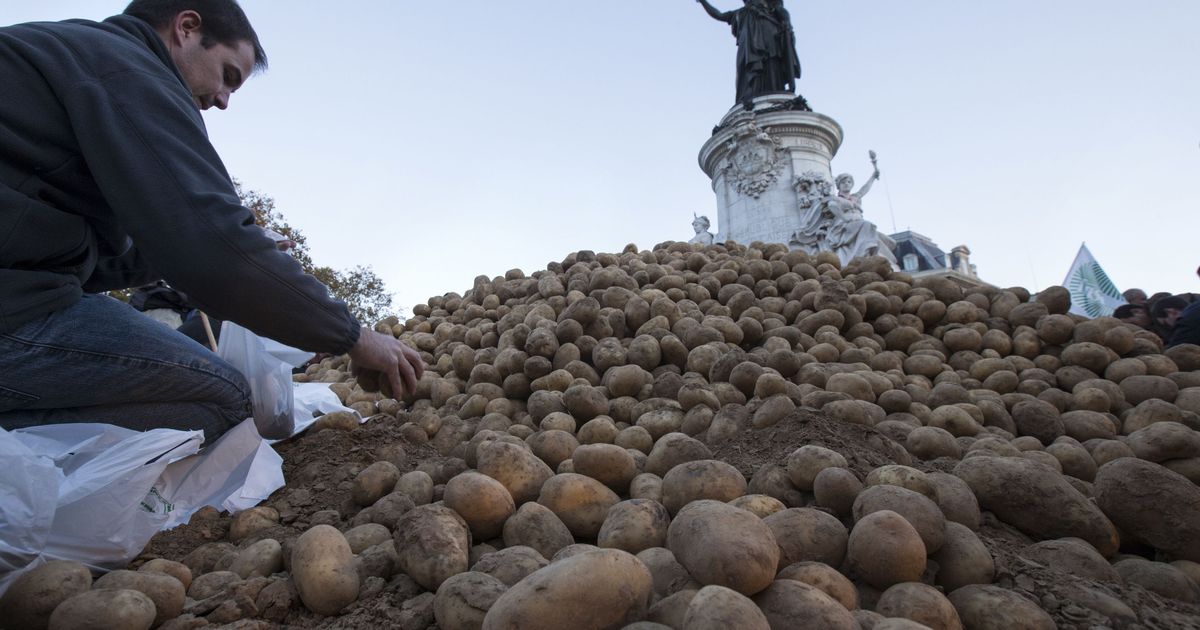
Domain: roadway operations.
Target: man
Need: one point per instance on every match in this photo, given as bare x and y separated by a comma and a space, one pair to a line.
1135, 296
108, 180
1165, 312
1133, 314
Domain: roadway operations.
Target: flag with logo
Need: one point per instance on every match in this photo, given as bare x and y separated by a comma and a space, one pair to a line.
1093, 294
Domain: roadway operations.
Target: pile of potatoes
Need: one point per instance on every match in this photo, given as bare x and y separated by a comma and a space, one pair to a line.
577, 412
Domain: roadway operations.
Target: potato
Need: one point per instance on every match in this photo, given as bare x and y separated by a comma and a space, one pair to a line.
433, 543
213, 583
463, 600
673, 449
338, 421
1164, 441
836, 489
535, 526
1158, 577
824, 577
1074, 557
248, 522
31, 598
806, 534
516, 468
670, 577
606, 588
104, 608
646, 486
261, 559
804, 463
417, 485
884, 549
581, 502
177, 570
1138, 389
989, 607
670, 611
720, 544
793, 604
719, 608
760, 505
1151, 504
388, 510
921, 512
932, 442
963, 559
702, 479
1036, 500
374, 482
920, 603
903, 476
1038, 419
609, 464
553, 447
511, 564
634, 525
323, 570
955, 499
484, 503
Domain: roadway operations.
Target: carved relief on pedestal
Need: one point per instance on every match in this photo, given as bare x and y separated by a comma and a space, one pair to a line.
755, 160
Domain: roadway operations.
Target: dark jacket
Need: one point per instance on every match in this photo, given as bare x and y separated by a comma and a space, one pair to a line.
108, 180
1187, 327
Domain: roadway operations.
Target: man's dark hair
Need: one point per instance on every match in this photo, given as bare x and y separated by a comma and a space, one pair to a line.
1172, 301
221, 22
1125, 311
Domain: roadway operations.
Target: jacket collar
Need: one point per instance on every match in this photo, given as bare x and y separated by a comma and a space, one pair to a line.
143, 32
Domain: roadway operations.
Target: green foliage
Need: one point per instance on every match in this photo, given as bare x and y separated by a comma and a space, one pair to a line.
362, 291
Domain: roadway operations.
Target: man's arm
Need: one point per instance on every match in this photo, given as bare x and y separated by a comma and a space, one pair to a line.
147, 148
716, 13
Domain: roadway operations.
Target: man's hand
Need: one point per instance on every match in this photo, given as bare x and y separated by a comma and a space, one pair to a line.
396, 364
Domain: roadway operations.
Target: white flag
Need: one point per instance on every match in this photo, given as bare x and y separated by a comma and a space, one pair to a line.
1093, 294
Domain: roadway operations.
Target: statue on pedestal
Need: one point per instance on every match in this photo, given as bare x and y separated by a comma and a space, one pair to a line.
703, 236
766, 57
834, 222
850, 235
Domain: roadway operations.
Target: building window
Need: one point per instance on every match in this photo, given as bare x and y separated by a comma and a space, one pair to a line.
910, 262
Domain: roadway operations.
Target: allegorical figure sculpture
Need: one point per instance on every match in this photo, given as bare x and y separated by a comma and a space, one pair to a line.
834, 221
766, 57
701, 224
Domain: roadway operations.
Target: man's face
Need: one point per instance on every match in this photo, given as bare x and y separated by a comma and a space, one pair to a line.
1138, 317
215, 73
1170, 316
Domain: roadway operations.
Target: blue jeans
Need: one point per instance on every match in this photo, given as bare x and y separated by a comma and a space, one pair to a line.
101, 361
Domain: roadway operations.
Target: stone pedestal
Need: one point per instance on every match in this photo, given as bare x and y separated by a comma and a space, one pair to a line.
754, 158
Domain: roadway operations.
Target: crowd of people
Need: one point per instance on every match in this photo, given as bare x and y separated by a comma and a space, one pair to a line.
1174, 318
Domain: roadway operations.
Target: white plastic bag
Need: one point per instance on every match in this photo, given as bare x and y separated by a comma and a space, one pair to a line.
270, 379
99, 477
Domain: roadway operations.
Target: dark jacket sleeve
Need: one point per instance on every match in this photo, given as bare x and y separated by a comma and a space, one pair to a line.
146, 145
130, 269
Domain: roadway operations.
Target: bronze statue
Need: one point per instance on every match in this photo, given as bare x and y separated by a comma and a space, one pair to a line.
766, 57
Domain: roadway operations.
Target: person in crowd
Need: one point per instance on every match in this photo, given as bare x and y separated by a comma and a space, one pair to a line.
107, 181
1165, 313
1135, 296
1135, 314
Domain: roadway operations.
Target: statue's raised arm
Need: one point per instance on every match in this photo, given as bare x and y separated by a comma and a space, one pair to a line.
716, 13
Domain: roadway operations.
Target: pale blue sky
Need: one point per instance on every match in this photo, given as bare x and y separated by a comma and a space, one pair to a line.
437, 140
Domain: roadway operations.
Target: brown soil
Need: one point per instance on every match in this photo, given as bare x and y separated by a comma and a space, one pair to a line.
319, 470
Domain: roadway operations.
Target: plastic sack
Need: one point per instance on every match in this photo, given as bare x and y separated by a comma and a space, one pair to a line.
99, 478
269, 377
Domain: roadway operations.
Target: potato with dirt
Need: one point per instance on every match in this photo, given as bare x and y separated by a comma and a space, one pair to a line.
599, 589
324, 571
462, 601
484, 503
884, 549
31, 598
104, 608
634, 526
989, 607
793, 604
1037, 500
701, 479
720, 544
433, 543
1152, 504
719, 608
